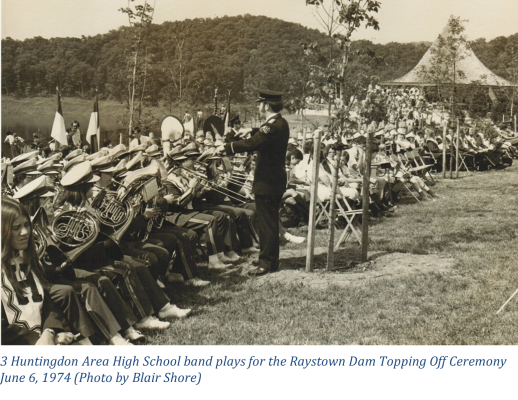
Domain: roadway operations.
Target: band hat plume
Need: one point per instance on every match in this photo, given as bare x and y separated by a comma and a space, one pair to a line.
79, 174
36, 188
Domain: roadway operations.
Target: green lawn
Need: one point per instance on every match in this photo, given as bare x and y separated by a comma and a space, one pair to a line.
437, 274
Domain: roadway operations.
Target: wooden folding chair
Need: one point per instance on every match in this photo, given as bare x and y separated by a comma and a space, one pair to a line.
353, 226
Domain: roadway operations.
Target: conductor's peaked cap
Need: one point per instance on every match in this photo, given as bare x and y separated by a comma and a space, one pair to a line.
268, 95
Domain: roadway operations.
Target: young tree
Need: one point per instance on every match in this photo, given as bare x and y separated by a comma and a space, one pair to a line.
451, 47
140, 17
340, 19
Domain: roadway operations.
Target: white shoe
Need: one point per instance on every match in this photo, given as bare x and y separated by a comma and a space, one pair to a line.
294, 239
151, 323
174, 278
224, 259
118, 340
250, 250
133, 335
196, 282
219, 265
232, 256
171, 311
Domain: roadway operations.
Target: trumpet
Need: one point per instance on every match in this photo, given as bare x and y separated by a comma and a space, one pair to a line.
232, 195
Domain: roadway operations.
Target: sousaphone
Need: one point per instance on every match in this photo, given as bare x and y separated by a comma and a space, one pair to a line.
172, 130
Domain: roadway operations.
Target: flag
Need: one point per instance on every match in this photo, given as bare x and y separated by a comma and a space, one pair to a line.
59, 132
492, 95
94, 127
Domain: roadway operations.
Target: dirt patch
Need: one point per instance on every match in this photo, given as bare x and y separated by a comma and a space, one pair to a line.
347, 272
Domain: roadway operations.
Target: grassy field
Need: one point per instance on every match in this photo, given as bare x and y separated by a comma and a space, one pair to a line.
437, 273
112, 111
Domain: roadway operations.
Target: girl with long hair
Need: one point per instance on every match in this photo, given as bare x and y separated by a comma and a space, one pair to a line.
28, 314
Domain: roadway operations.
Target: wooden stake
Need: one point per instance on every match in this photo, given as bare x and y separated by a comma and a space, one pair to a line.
457, 151
332, 213
451, 158
313, 202
444, 151
303, 139
508, 300
365, 198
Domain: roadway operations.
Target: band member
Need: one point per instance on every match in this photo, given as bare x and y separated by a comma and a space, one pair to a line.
103, 303
270, 142
138, 138
142, 288
28, 314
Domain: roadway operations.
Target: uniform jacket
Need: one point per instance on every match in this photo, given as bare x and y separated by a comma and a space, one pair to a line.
270, 142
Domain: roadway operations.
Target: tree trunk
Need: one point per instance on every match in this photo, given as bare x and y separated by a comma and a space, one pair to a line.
332, 213
365, 200
313, 203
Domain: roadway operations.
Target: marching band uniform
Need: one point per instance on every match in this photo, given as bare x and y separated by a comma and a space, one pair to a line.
271, 142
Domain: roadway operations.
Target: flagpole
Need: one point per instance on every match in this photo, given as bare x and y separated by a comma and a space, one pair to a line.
98, 121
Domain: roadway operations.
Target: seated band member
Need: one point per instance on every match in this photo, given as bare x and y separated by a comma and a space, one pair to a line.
155, 248
28, 314
138, 283
102, 301
181, 191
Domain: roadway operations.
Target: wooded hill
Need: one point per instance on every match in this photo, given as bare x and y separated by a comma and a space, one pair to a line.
186, 60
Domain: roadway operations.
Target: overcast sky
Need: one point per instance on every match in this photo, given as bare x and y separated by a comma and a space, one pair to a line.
400, 20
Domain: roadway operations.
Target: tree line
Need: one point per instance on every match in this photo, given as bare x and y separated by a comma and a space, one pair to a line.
186, 60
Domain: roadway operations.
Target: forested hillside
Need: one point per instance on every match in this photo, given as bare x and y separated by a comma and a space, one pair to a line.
186, 60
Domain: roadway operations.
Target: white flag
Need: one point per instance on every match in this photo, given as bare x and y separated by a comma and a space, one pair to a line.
58, 130
93, 128
58, 127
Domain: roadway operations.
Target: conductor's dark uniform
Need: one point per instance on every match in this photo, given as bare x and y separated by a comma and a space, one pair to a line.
270, 141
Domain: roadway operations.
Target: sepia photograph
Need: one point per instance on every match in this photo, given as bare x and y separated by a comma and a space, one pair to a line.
259, 173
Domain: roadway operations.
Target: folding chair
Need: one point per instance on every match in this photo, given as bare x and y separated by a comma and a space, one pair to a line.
353, 227
420, 167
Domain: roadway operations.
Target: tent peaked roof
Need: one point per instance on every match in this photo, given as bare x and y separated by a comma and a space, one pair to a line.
470, 65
